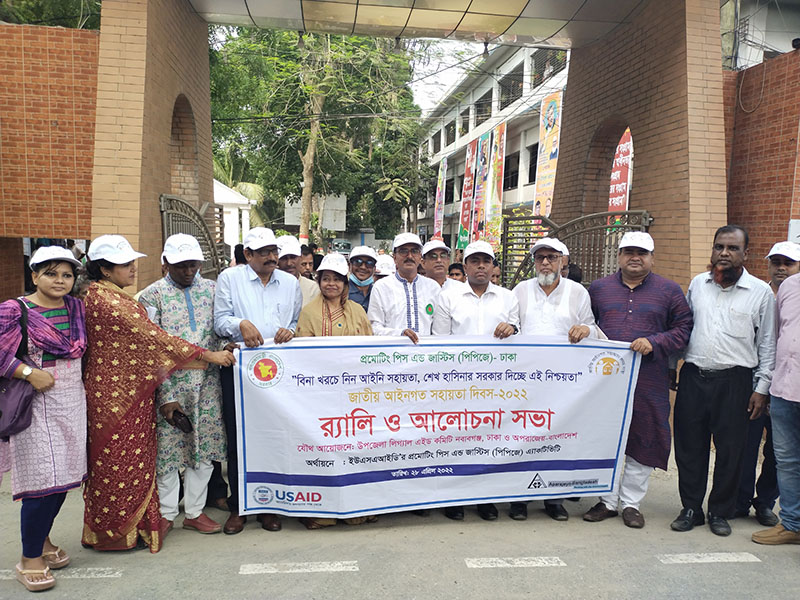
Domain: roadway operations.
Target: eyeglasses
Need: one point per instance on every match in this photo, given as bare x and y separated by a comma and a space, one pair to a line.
360, 261
437, 256
407, 251
551, 258
266, 251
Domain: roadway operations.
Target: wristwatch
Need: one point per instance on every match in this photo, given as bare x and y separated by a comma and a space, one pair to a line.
26, 372
516, 329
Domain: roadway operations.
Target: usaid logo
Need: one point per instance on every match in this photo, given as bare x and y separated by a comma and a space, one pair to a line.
284, 496
263, 495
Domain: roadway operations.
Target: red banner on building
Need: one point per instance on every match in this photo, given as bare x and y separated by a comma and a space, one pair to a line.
467, 192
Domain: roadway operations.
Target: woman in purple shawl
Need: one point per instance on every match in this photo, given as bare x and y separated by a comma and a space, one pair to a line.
49, 457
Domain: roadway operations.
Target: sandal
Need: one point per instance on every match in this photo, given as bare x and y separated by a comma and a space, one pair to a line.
316, 523
35, 586
57, 559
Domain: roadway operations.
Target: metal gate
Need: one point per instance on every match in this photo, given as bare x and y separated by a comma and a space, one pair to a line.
592, 241
178, 216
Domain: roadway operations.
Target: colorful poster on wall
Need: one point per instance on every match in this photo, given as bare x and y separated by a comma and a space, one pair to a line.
467, 193
438, 210
549, 134
494, 195
621, 175
482, 176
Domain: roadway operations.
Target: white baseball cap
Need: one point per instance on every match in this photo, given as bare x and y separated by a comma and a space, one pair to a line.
48, 253
363, 251
434, 245
553, 243
113, 248
258, 237
787, 249
407, 237
288, 245
479, 247
637, 239
181, 247
334, 262
385, 265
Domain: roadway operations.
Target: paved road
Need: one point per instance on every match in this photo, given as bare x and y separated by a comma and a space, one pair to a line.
409, 557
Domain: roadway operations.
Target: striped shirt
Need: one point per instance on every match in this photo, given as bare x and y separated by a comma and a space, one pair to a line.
58, 317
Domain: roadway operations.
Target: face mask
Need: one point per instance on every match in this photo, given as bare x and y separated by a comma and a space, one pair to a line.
358, 282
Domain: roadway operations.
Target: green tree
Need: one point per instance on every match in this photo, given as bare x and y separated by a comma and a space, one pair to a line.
77, 14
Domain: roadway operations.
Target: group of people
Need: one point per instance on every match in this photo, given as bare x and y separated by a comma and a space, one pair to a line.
149, 381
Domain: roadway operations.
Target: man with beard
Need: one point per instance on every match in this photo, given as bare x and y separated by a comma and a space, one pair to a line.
783, 262
402, 303
635, 305
254, 303
477, 308
306, 265
289, 252
362, 274
552, 305
724, 381
435, 260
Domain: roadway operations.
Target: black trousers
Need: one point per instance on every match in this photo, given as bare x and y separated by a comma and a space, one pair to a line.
711, 406
767, 485
229, 418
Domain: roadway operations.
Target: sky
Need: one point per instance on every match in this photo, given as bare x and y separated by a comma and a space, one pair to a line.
440, 72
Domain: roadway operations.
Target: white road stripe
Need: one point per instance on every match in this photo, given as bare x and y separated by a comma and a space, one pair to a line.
519, 562
303, 567
707, 557
73, 573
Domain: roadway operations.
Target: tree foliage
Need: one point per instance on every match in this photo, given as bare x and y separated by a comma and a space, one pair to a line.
77, 14
339, 106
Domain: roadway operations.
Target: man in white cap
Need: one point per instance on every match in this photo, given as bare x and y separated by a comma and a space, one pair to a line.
783, 261
182, 304
384, 266
724, 381
289, 253
635, 305
363, 261
552, 305
255, 303
402, 304
477, 307
435, 260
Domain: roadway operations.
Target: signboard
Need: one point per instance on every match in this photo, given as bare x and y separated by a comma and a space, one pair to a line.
547, 161
494, 200
438, 209
467, 191
621, 172
350, 426
482, 175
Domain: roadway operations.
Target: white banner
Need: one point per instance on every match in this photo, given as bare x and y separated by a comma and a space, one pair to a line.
349, 426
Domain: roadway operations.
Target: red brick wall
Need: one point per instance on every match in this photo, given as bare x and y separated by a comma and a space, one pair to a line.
659, 74
47, 95
764, 169
11, 268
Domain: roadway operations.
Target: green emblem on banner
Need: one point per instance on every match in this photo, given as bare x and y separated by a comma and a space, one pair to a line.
429, 309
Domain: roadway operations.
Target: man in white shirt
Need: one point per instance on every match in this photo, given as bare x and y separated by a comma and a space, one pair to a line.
435, 261
253, 303
289, 252
403, 303
477, 307
552, 305
724, 381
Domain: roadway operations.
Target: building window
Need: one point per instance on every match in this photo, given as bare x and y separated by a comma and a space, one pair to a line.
511, 172
450, 133
483, 108
465, 122
437, 141
533, 156
545, 63
449, 187
511, 87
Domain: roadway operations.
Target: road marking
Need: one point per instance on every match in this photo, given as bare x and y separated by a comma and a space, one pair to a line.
519, 562
707, 557
73, 573
303, 567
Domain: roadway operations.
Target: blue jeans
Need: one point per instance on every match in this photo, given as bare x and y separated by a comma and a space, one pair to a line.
786, 440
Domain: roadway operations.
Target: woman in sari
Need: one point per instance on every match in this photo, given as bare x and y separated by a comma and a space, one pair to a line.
49, 457
329, 314
128, 358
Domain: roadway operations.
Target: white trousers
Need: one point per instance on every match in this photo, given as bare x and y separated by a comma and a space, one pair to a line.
631, 487
195, 487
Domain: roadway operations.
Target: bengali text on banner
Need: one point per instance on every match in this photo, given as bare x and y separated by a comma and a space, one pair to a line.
467, 189
478, 227
438, 207
349, 426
